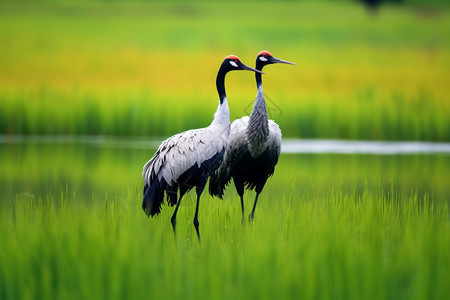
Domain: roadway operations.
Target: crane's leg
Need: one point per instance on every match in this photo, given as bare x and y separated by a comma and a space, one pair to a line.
240, 190
250, 217
258, 190
242, 208
199, 190
196, 223
173, 220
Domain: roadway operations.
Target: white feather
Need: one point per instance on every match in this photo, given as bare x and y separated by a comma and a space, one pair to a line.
238, 134
180, 152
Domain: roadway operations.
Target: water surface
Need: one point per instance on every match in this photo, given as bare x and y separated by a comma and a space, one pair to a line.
87, 167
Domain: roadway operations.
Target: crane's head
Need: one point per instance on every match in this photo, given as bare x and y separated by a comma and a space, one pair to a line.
232, 62
265, 58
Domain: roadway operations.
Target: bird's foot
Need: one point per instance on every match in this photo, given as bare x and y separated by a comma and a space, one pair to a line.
174, 225
250, 217
198, 234
197, 225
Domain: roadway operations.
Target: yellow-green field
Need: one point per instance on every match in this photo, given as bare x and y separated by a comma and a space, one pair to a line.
144, 68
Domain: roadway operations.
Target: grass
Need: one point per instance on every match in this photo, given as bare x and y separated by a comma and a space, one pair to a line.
138, 68
326, 226
342, 246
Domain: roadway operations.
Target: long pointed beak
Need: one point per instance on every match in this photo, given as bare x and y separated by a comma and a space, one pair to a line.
245, 67
277, 60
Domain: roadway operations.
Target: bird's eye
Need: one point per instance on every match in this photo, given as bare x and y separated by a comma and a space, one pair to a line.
233, 64
262, 58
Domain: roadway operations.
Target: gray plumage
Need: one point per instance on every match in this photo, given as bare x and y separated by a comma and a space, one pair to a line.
182, 151
257, 127
250, 138
253, 148
186, 160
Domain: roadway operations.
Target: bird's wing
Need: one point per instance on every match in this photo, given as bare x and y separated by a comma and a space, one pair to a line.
274, 140
237, 142
239, 125
153, 166
182, 151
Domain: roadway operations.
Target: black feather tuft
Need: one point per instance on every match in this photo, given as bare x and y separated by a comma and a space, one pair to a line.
195, 176
216, 187
172, 193
153, 197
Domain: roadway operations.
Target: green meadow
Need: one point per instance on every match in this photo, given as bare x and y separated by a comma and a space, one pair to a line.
88, 89
344, 246
326, 227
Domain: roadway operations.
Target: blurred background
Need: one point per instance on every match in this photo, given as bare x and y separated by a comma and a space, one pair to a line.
144, 70
376, 70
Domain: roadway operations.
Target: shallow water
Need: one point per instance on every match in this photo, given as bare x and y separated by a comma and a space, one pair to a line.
368, 147
86, 167
289, 145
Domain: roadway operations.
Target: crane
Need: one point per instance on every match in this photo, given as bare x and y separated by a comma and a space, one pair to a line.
253, 147
186, 160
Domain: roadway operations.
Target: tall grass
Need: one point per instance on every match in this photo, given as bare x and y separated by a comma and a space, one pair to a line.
342, 246
142, 113
326, 226
138, 68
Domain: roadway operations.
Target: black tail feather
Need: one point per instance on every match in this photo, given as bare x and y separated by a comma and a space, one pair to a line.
172, 193
153, 198
216, 186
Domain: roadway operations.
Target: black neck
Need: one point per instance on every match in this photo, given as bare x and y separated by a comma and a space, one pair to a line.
220, 84
259, 66
220, 80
